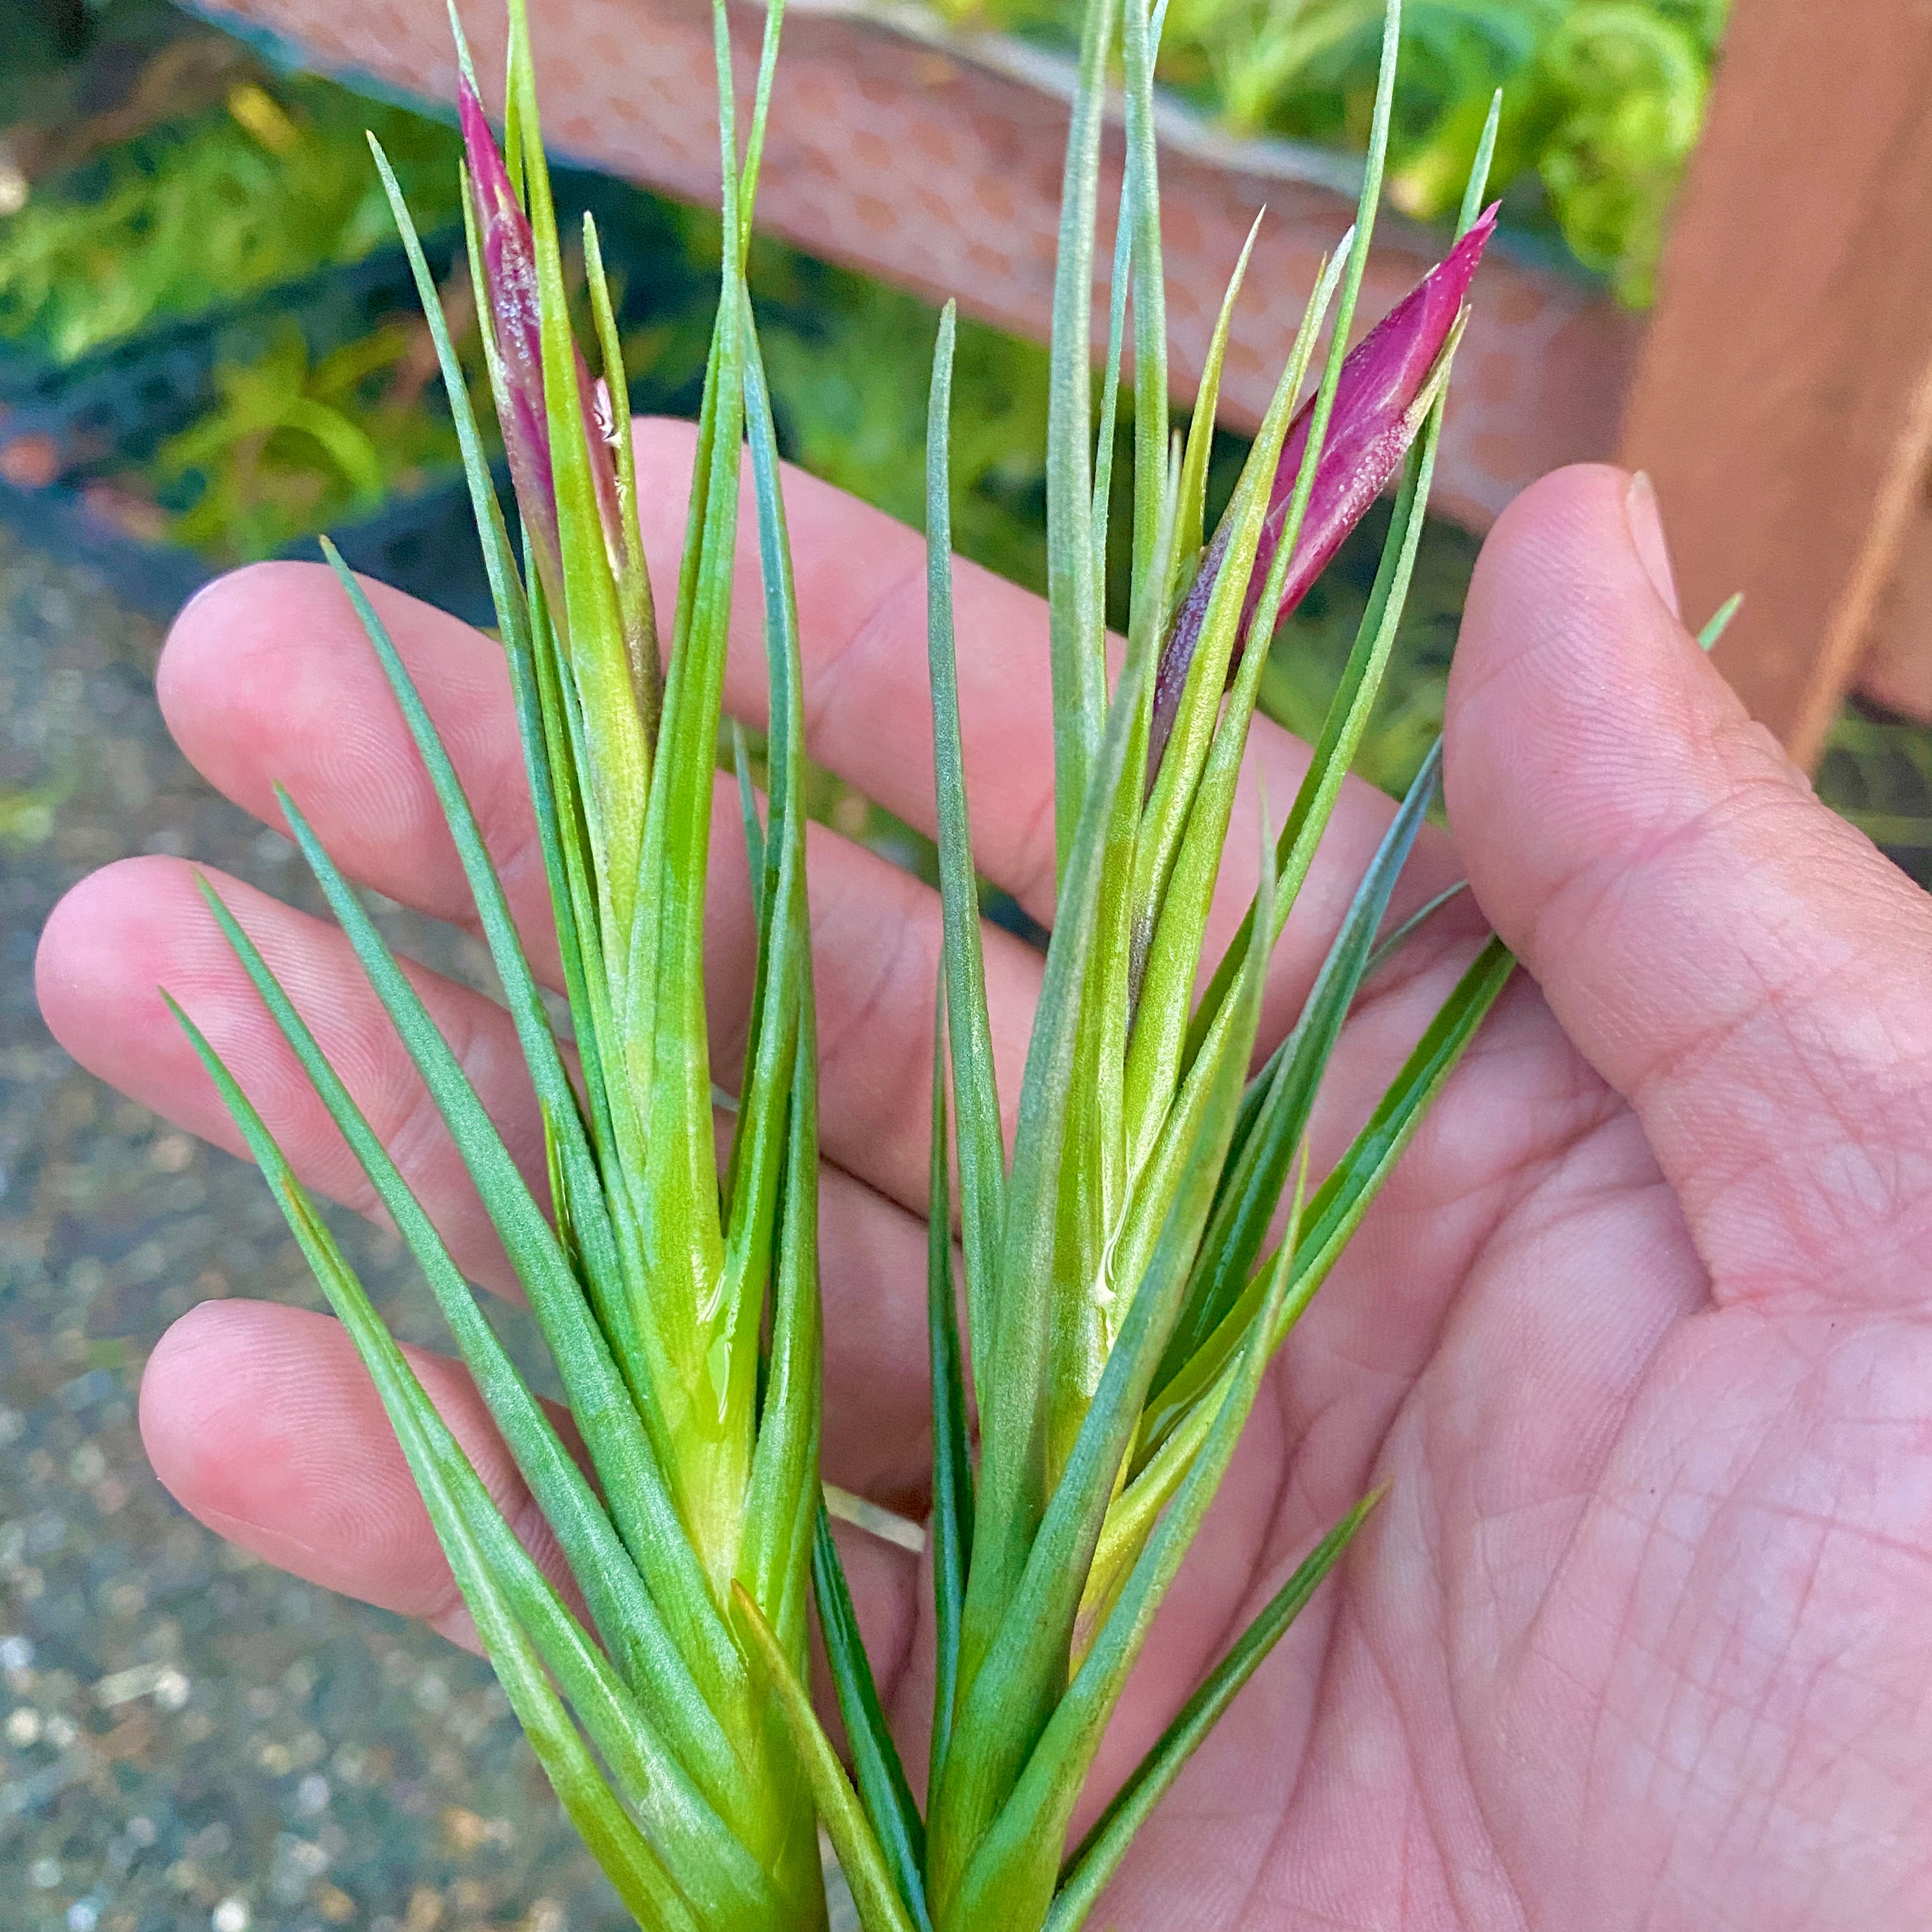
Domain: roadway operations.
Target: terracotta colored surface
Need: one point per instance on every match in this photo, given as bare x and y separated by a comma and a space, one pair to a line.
934, 171
1782, 401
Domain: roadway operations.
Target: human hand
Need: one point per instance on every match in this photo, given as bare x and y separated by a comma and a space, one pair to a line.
1636, 1335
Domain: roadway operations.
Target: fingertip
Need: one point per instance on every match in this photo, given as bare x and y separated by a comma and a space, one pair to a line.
1581, 717
259, 1420
98, 952
231, 648
267, 680
116, 949
1561, 560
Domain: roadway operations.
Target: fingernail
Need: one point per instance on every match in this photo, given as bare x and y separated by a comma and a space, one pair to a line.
1646, 529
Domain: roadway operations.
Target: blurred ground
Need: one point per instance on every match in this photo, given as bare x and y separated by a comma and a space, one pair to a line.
189, 1740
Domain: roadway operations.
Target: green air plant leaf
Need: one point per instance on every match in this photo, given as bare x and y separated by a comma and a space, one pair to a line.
1131, 1265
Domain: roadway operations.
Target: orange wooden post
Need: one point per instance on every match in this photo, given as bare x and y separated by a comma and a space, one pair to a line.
1783, 401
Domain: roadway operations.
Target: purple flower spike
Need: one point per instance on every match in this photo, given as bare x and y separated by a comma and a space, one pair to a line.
1373, 423
509, 262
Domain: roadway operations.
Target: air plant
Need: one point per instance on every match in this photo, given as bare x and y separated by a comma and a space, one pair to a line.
1128, 1275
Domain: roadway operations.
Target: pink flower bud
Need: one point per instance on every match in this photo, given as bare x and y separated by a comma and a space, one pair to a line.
511, 302
1374, 421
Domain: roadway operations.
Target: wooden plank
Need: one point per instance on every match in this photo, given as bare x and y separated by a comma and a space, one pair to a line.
1783, 401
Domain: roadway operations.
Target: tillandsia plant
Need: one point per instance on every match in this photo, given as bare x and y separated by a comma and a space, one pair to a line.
1127, 1281
1128, 1272
678, 1294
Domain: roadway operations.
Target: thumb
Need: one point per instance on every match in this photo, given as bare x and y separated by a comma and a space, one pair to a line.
1740, 964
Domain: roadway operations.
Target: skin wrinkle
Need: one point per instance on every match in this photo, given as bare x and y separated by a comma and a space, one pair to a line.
1686, 1680
899, 607
1674, 1067
899, 972
1459, 1737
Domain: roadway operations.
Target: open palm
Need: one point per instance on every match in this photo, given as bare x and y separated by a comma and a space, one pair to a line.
1636, 1338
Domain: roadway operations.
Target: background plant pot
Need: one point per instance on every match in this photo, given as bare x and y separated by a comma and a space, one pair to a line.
933, 160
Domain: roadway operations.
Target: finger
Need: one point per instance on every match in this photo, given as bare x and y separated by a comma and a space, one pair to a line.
259, 669
861, 585
262, 1422
267, 679
123, 933
1737, 962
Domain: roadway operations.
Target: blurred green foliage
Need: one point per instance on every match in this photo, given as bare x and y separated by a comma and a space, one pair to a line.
295, 445
268, 187
1603, 99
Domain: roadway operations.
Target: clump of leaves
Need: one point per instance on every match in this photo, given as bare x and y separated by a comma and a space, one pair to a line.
270, 185
1128, 1274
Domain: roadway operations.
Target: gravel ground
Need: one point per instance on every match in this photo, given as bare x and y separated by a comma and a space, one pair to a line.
189, 1739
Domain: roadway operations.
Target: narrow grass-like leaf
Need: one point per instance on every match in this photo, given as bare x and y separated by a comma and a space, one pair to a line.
599, 1401
877, 1898
1343, 1199
1720, 621
780, 1498
1008, 1702
1173, 774
1075, 622
1355, 693
498, 560
754, 138
755, 832
773, 1068
527, 1012
1149, 1489
1175, 667
982, 1174
1399, 936
1095, 1179
1013, 1429
1189, 517
1283, 1096
952, 1530
618, 776
1141, 207
668, 1032
1180, 862
1015, 1870
1110, 386
1098, 1855
880, 1775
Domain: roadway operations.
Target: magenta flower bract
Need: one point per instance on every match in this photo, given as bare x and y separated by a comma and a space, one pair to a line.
1373, 423
511, 300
